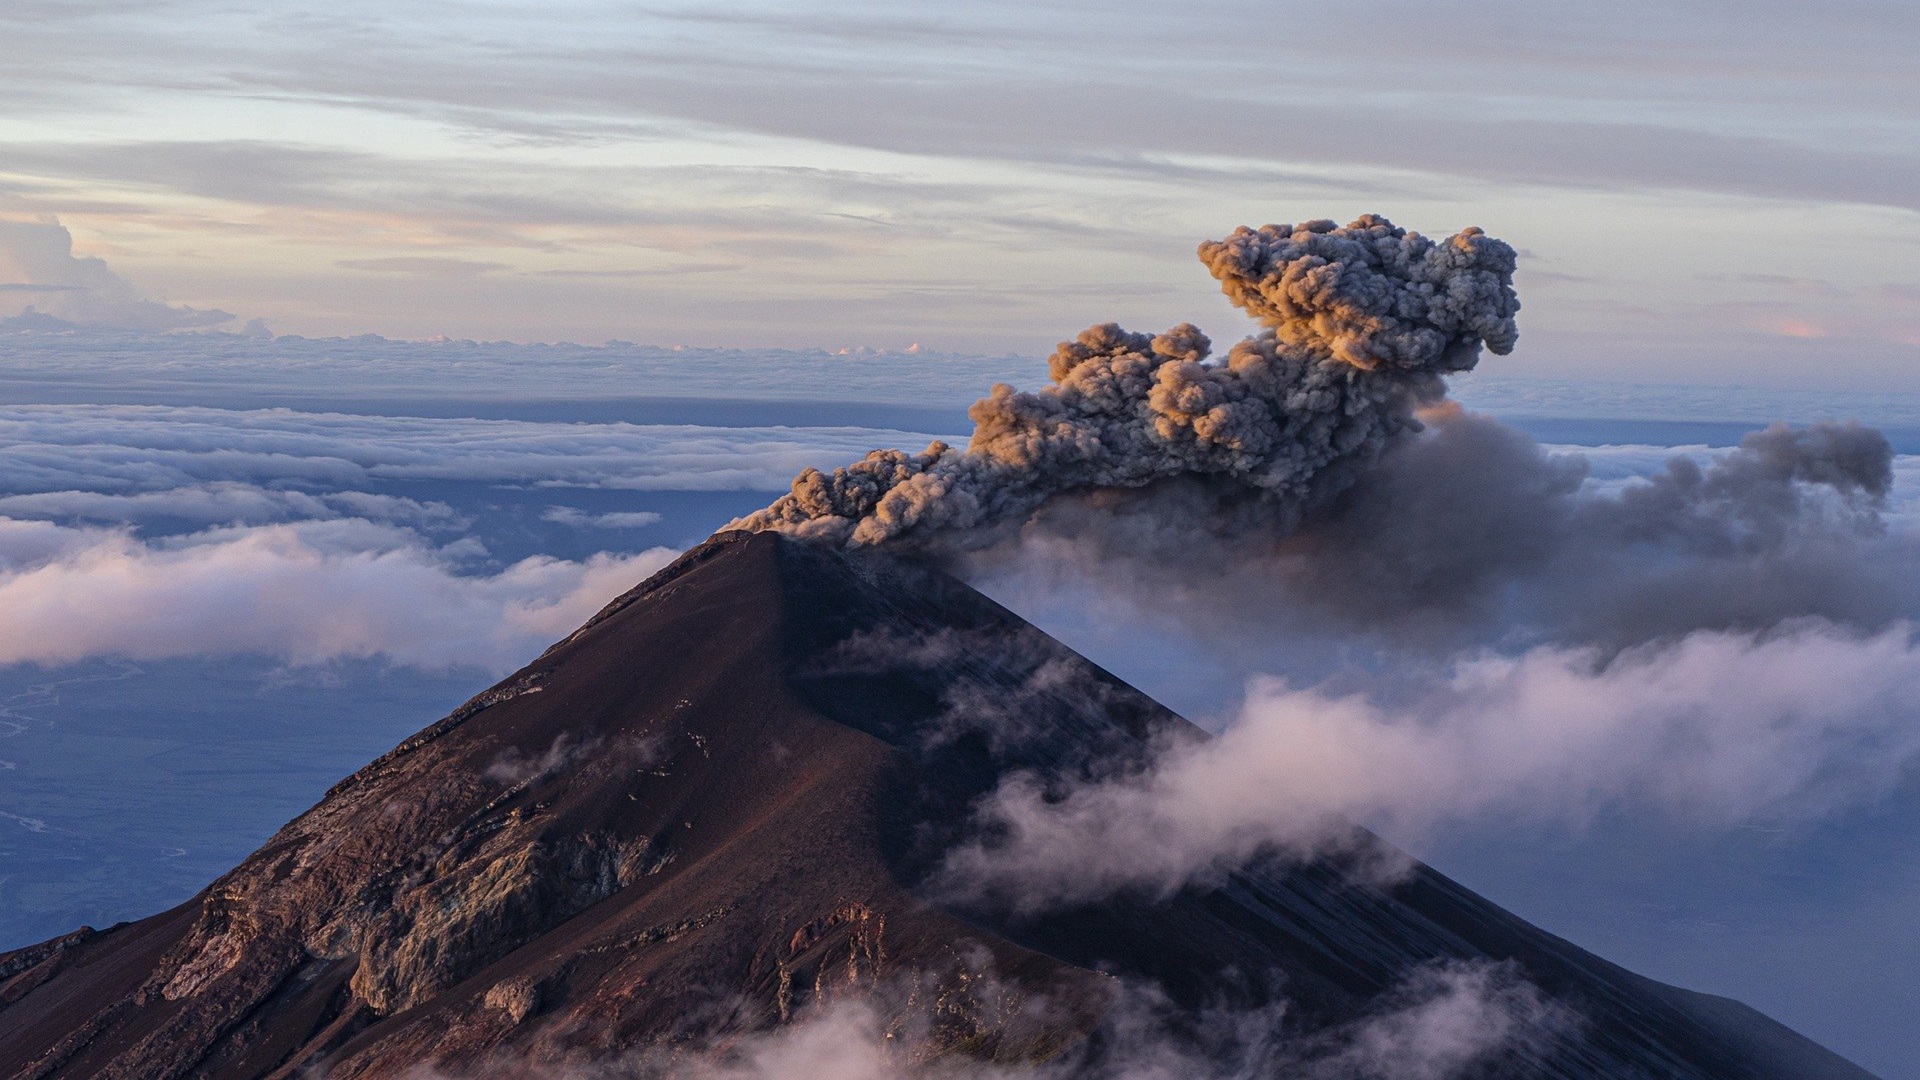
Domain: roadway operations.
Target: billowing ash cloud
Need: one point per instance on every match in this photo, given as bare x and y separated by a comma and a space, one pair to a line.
1471, 535
1524, 640
1361, 324
1723, 641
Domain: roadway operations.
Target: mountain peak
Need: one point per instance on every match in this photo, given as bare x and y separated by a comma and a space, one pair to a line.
711, 809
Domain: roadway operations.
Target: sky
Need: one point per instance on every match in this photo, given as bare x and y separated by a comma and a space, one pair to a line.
349, 355
1702, 191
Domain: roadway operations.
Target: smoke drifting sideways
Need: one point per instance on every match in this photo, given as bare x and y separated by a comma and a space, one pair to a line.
1361, 324
1469, 535
1437, 620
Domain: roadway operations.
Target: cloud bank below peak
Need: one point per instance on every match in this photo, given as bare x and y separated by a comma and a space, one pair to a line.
302, 593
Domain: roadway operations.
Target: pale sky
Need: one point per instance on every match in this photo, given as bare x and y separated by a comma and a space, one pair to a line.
1703, 192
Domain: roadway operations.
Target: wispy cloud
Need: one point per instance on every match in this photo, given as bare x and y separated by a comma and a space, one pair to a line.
425, 265
629, 519
1715, 728
124, 450
831, 137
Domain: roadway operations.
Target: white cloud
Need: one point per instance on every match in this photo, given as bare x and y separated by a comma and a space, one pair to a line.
301, 593
140, 448
211, 367
1717, 728
223, 501
38, 270
567, 515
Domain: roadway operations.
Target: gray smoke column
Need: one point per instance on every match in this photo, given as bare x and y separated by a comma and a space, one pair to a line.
1362, 323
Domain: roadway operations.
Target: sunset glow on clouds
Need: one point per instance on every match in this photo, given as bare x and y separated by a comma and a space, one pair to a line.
353, 339
984, 179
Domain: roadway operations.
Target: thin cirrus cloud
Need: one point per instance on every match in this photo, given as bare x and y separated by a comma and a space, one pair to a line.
226, 502
767, 140
425, 265
1523, 61
127, 449
619, 519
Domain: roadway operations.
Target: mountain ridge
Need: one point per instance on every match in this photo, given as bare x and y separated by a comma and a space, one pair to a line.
711, 808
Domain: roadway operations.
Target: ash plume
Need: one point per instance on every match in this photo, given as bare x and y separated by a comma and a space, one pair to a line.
1718, 643
1361, 324
1471, 535
1462, 622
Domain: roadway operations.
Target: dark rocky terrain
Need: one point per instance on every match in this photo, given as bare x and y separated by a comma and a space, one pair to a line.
707, 811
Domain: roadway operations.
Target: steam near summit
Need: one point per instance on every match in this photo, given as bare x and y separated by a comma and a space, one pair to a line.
1361, 323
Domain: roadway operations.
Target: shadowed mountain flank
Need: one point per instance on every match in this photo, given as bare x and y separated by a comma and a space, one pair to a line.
711, 812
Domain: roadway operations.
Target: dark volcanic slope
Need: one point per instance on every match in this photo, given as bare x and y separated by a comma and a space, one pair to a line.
704, 810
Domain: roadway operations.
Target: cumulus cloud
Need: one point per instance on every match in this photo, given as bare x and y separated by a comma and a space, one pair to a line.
1361, 323
303, 593
40, 273
1718, 727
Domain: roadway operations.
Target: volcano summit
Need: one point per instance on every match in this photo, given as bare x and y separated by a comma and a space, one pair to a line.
693, 839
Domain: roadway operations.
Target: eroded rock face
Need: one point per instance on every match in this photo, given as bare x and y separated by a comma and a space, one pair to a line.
518, 997
706, 813
644, 836
416, 880
474, 911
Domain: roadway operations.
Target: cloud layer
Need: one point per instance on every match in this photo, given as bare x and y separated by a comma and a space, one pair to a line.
125, 449
774, 173
1716, 728
65, 363
168, 531
300, 593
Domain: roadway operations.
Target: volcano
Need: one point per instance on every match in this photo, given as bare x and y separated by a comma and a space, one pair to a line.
712, 811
